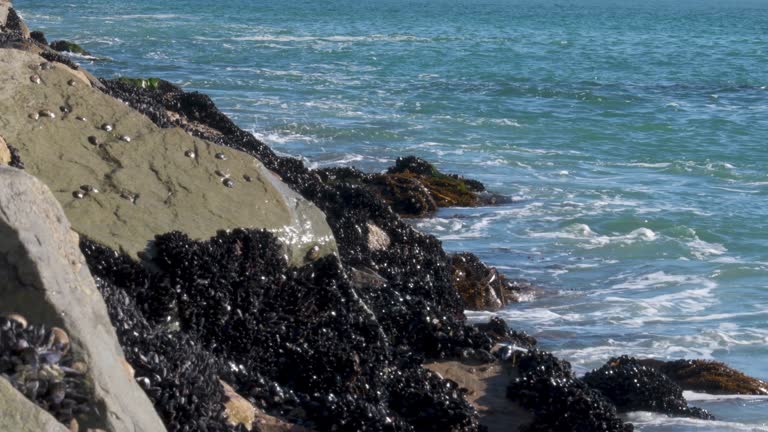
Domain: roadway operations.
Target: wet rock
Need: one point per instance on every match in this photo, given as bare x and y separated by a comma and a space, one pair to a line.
631, 386
45, 280
21, 415
237, 409
708, 376
173, 192
560, 402
485, 387
67, 46
39, 37
482, 287
499, 331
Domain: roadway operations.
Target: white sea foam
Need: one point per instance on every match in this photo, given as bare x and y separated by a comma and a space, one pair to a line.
591, 240
659, 279
645, 419
693, 396
335, 38
282, 138
648, 165
701, 249
140, 16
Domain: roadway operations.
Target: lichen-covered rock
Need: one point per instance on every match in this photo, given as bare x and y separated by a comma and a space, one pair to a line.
67, 46
559, 400
482, 287
631, 386
147, 183
45, 280
20, 415
708, 376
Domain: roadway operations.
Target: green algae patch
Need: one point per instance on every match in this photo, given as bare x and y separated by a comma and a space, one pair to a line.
145, 83
67, 46
122, 180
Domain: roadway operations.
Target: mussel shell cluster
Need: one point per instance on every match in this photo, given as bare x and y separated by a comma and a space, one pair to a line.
632, 386
319, 351
37, 361
559, 400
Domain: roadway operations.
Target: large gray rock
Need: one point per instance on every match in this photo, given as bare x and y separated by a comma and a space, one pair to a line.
157, 181
5, 7
45, 279
20, 415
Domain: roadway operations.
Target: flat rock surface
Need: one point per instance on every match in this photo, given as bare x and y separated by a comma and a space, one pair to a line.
486, 386
147, 185
45, 279
20, 415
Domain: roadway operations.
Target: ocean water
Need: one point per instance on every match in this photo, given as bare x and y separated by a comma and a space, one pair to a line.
632, 136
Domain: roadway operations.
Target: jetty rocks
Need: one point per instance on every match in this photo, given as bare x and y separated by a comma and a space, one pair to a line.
162, 269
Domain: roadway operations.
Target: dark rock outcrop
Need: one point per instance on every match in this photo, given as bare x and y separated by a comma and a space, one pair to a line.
67, 46
482, 287
415, 188
631, 386
300, 344
559, 400
708, 376
499, 331
38, 37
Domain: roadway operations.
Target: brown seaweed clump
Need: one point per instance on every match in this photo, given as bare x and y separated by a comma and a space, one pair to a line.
708, 376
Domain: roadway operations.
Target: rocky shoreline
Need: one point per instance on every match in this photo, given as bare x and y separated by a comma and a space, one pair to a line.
234, 289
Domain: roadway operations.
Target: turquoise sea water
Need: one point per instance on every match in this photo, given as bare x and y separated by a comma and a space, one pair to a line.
632, 135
